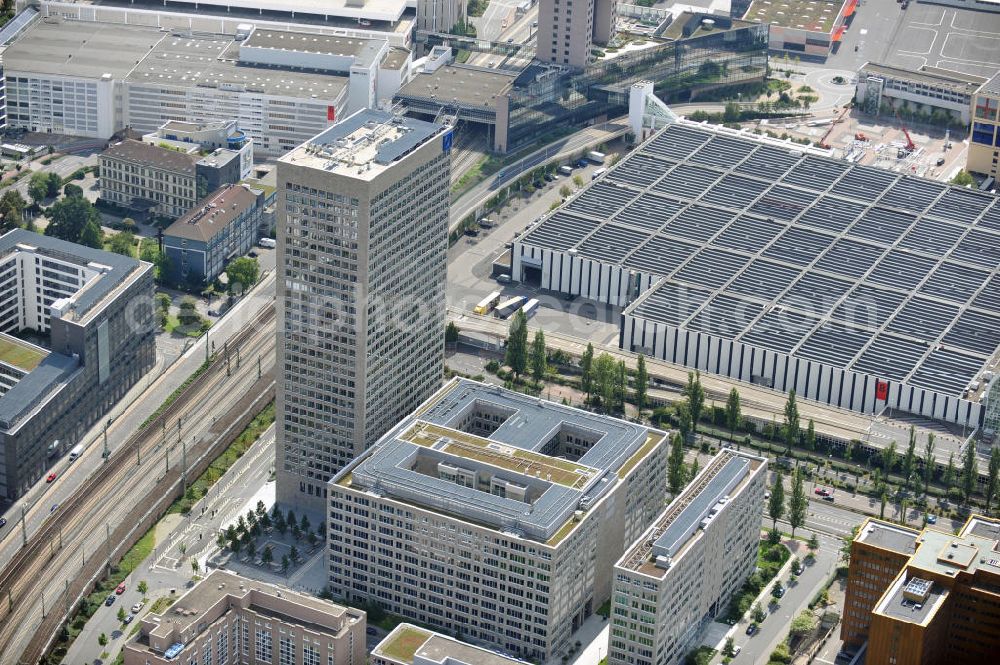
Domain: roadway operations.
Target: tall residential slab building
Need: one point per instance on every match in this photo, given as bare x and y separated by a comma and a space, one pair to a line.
362, 251
567, 29
680, 574
494, 514
941, 603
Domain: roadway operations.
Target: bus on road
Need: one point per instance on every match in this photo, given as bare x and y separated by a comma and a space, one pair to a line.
487, 304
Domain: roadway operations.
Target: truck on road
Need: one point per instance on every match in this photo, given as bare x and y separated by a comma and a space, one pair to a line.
508, 307
487, 304
270, 243
530, 308
76, 452
596, 157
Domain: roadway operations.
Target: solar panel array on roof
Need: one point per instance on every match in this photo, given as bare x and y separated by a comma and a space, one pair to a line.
872, 270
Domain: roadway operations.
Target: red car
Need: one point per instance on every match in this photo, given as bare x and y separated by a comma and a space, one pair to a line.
49, 478
120, 589
822, 491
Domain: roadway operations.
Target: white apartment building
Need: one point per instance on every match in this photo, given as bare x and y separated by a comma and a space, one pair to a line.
494, 514
361, 273
281, 86
680, 574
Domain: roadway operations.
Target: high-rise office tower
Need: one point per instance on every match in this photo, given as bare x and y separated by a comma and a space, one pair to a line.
362, 253
567, 29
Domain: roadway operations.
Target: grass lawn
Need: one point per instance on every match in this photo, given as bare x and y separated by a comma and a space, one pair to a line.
405, 644
161, 604
15, 352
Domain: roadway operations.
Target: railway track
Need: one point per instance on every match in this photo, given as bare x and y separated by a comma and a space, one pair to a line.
119, 494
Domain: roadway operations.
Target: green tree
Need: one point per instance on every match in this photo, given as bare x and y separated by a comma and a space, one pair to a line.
889, 458
194, 566
12, 206
695, 395
304, 522
693, 470
605, 379
733, 412
243, 272
910, 460
621, 385
641, 383
538, 357
451, 333
798, 503
73, 190
675, 465
683, 414
53, 184
994, 473
38, 186
928, 461
267, 556
805, 623
813, 542
102, 639
731, 113
69, 217
92, 235
587, 371
949, 472
729, 648
809, 440
963, 179
284, 563
517, 344
757, 613
970, 473
142, 587
790, 427
121, 614
122, 243
776, 504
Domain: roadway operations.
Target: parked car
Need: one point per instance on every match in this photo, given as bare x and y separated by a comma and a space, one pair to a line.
137, 607
822, 491
252, 254
3, 522
371, 631
120, 589
828, 497
737, 650
110, 600
127, 620
49, 478
778, 590
54, 508
931, 519
503, 279
751, 629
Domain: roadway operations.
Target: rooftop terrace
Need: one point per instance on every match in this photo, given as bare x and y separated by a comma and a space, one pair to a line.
20, 354
407, 642
553, 459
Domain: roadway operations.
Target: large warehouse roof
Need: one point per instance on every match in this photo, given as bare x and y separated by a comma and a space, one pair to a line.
843, 264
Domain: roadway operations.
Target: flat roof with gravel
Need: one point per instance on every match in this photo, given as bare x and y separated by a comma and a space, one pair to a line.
812, 15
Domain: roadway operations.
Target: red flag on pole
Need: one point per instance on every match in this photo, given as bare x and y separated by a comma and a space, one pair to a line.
881, 390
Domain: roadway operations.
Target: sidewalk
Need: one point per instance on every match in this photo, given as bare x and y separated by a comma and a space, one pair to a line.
166, 571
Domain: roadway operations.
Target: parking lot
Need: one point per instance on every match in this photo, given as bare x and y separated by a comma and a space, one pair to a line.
935, 36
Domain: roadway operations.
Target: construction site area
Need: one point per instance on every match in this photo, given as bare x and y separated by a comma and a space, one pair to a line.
882, 142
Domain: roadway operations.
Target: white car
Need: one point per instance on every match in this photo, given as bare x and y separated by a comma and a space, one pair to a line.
137, 607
